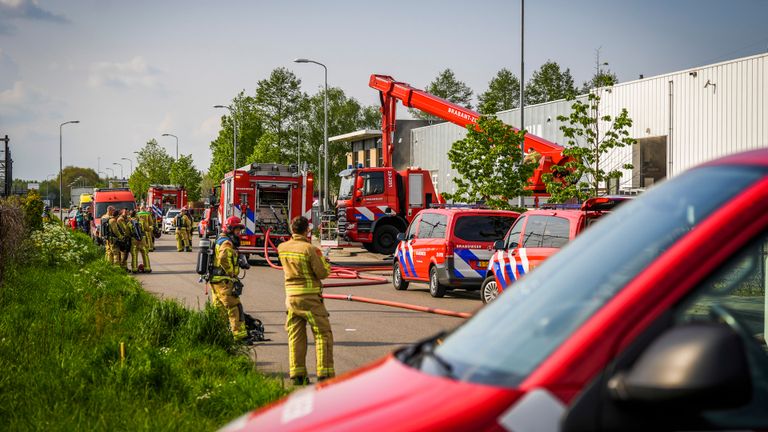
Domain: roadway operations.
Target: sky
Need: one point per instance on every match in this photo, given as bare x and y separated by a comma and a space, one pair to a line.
130, 71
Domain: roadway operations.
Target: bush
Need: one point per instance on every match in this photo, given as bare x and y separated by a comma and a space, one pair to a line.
33, 210
56, 245
11, 232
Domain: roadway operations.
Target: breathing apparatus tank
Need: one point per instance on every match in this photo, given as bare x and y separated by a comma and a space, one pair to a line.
204, 259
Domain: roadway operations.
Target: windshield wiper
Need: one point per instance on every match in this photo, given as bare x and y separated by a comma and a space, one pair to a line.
447, 367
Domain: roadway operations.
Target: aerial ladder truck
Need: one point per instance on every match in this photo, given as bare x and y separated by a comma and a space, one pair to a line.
375, 204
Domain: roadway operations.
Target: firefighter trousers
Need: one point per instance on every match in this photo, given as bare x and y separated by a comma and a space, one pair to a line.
109, 248
183, 241
151, 240
222, 294
303, 310
139, 247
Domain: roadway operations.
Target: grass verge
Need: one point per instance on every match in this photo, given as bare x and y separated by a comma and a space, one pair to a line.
60, 333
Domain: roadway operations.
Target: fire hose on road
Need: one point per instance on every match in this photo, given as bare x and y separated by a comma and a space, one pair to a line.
340, 272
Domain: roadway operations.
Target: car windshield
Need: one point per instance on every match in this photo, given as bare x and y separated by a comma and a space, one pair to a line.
347, 184
172, 214
505, 341
101, 207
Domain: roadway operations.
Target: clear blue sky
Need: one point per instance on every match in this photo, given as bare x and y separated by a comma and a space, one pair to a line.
131, 70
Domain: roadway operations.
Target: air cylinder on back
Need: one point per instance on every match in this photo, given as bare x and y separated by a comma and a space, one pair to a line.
203, 257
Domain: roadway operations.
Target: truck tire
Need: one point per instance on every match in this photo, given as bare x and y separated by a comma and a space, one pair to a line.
435, 288
385, 239
397, 278
489, 290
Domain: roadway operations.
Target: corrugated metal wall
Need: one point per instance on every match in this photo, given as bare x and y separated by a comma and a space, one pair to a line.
707, 121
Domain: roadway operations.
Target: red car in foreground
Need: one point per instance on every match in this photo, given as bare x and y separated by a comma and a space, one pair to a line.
653, 319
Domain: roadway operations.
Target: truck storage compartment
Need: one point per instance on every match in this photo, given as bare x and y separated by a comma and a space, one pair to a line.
273, 207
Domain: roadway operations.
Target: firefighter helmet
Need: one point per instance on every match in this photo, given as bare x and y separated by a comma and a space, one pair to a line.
233, 222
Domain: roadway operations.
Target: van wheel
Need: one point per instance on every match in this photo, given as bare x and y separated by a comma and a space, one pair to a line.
397, 278
435, 288
385, 239
489, 290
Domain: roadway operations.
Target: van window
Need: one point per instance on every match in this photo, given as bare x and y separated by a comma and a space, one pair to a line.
513, 238
412, 228
432, 225
482, 228
534, 231
556, 232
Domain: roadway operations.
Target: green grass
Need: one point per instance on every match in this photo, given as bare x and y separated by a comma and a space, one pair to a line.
60, 332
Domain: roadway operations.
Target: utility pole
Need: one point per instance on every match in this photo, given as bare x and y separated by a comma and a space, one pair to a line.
520, 201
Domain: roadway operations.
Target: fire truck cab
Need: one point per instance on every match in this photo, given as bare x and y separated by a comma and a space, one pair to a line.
165, 197
266, 196
375, 204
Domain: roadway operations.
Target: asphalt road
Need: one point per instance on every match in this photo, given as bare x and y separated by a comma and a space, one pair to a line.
362, 332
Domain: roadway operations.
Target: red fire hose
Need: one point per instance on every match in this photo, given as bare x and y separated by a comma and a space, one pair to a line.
339, 272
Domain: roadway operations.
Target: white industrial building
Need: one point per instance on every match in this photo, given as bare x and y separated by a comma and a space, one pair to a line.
680, 119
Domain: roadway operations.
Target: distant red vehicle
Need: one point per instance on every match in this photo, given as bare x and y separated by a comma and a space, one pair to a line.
449, 248
537, 235
653, 319
165, 197
119, 198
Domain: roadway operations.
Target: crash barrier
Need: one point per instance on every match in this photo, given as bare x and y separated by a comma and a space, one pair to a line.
339, 272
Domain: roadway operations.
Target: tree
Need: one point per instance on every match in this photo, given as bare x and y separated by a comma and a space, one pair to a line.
603, 78
549, 83
503, 93
490, 164
184, 173
279, 98
73, 176
250, 128
590, 135
446, 86
207, 184
154, 167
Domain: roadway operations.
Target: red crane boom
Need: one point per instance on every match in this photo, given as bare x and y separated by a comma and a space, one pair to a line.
391, 91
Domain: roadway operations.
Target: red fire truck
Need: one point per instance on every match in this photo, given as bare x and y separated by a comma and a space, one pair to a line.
375, 204
266, 196
166, 197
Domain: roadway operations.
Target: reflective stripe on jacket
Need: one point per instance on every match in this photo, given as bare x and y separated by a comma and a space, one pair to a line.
303, 266
225, 260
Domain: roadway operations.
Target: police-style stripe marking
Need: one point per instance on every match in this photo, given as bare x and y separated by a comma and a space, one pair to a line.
409, 258
461, 263
401, 258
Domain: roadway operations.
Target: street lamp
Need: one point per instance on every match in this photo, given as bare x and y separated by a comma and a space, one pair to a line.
234, 139
325, 130
121, 169
177, 142
61, 185
111, 171
131, 165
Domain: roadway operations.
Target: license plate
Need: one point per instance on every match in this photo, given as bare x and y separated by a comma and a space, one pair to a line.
245, 242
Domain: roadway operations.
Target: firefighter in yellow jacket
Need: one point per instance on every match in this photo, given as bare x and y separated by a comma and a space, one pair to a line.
106, 233
139, 228
224, 281
304, 266
124, 228
183, 231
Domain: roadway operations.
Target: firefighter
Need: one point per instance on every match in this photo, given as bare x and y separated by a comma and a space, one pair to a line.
139, 245
124, 237
106, 233
147, 222
224, 281
183, 231
304, 266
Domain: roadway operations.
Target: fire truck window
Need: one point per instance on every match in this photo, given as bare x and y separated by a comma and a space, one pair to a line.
534, 231
556, 233
374, 183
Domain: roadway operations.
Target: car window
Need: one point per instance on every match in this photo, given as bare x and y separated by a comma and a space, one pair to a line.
373, 183
482, 228
534, 231
513, 237
542, 309
556, 232
735, 295
432, 225
413, 227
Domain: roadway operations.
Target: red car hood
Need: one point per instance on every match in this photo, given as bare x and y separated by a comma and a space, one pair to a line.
386, 395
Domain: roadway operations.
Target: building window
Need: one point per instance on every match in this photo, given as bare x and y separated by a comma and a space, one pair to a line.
367, 158
379, 157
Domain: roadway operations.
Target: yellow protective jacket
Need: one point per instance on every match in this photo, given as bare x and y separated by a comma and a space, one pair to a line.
224, 261
184, 222
303, 266
118, 228
146, 225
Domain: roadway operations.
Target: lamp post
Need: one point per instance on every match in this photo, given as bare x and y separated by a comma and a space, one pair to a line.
325, 130
61, 182
177, 142
234, 138
121, 169
112, 175
520, 199
130, 172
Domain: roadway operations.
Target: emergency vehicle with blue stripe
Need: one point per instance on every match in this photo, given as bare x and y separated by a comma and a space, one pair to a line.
537, 235
449, 248
266, 196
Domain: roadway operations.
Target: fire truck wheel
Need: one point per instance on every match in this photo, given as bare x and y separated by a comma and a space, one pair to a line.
385, 239
488, 290
435, 288
397, 278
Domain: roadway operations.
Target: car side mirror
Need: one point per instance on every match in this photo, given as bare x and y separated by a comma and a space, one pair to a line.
400, 237
699, 366
498, 245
